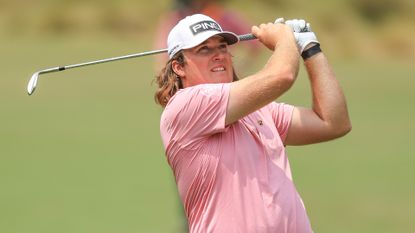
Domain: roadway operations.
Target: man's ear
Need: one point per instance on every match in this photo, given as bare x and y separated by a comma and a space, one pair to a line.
177, 68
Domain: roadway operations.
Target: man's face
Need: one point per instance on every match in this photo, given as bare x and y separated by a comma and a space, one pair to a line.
209, 62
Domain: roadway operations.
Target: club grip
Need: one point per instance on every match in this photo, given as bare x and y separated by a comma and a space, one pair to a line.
244, 37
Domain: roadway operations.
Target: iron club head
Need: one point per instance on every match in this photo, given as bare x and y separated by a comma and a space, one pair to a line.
31, 86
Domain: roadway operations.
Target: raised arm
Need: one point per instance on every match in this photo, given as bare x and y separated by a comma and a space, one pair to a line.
280, 72
328, 117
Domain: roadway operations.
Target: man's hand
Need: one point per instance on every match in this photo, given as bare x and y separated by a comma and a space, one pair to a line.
270, 34
302, 32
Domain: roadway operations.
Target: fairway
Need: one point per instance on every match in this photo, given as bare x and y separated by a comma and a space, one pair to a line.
83, 154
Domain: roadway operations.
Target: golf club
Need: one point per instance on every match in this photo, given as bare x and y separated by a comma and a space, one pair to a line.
34, 79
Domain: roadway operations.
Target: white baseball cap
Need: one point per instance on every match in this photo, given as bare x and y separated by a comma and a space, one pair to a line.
193, 30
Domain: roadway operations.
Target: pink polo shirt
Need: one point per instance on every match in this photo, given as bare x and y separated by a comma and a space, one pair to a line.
235, 178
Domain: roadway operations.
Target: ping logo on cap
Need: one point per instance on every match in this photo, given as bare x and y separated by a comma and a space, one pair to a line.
204, 26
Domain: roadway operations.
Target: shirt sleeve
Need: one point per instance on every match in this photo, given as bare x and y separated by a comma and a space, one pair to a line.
282, 115
195, 113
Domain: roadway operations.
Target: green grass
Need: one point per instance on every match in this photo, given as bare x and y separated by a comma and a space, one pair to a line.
83, 154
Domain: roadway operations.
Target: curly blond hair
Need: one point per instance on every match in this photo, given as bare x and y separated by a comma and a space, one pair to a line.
168, 81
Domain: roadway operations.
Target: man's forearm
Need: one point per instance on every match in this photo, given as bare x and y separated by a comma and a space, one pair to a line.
329, 102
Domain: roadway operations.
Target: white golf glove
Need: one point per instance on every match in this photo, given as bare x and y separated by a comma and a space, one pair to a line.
302, 32
279, 20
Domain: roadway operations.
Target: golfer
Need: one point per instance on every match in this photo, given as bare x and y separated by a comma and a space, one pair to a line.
225, 138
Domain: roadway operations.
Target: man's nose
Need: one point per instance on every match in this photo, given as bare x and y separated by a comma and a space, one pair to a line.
218, 54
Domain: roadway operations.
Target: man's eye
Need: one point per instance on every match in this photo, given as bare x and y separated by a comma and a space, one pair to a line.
203, 49
223, 47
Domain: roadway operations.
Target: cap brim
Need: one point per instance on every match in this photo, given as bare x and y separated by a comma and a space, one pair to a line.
230, 38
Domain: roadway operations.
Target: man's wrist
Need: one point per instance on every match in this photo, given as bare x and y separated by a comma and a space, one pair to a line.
311, 50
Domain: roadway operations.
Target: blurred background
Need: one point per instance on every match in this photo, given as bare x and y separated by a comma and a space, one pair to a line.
83, 154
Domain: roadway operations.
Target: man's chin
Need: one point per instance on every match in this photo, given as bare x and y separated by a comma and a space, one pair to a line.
222, 78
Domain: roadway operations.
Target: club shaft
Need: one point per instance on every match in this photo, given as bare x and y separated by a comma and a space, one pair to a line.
61, 68
117, 58
31, 86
